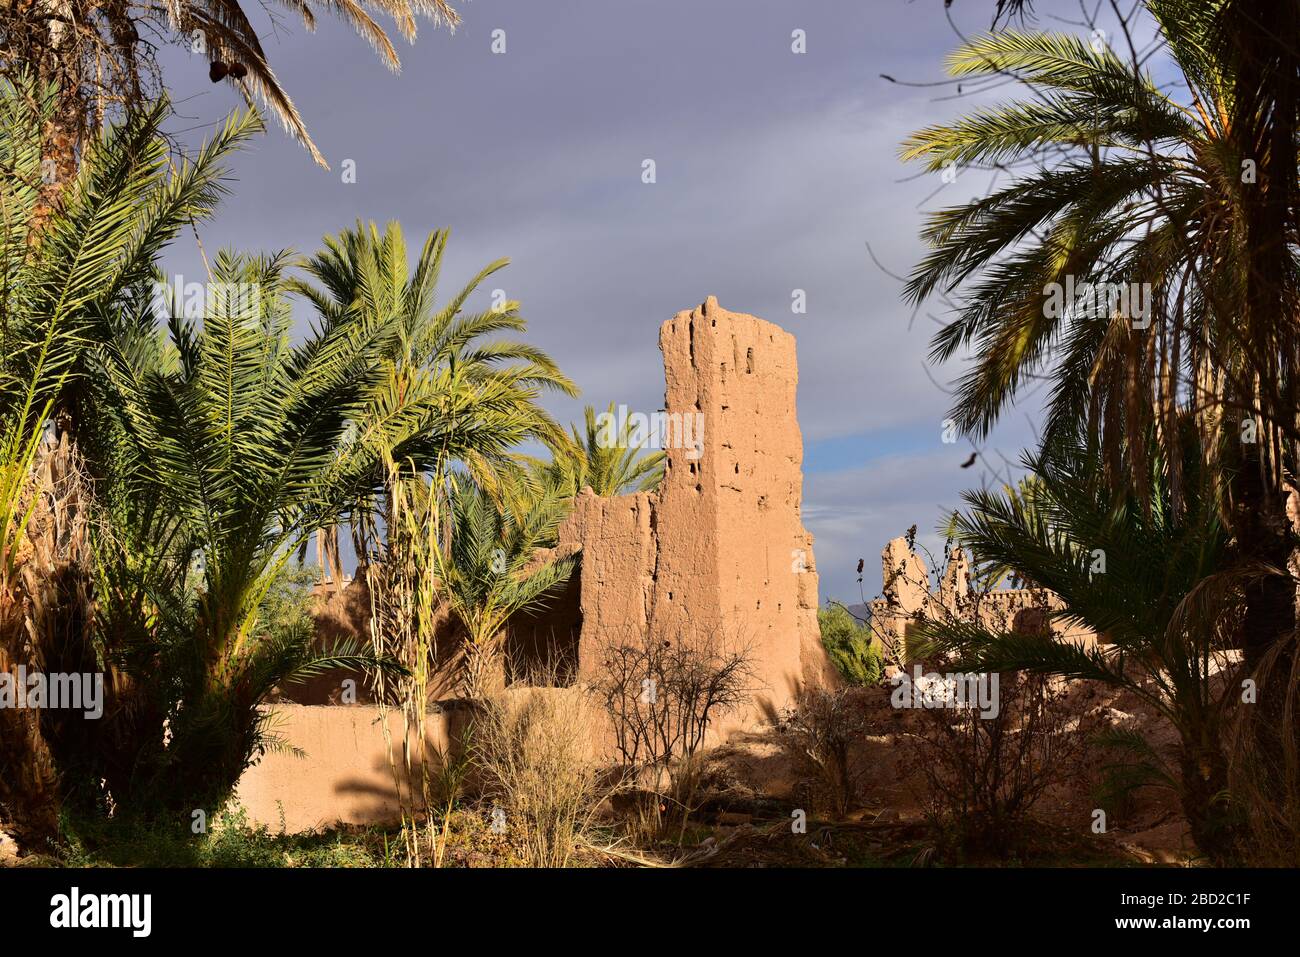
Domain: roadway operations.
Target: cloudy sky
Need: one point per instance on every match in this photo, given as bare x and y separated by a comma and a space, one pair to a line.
775, 170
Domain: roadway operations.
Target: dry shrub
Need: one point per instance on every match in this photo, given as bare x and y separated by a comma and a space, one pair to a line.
661, 695
820, 731
535, 751
985, 773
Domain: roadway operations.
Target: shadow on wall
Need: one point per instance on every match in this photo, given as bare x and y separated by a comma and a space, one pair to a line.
344, 771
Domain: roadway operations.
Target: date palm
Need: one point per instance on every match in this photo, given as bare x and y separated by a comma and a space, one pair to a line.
492, 570
442, 359
1143, 194
239, 443
608, 461
1130, 185
64, 275
480, 393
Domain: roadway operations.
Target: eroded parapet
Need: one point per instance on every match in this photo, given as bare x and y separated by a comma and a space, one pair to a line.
719, 550
908, 598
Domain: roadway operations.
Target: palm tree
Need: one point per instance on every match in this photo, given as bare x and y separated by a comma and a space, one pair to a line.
492, 570
246, 443
608, 463
483, 391
1150, 193
1158, 597
103, 56
63, 275
479, 392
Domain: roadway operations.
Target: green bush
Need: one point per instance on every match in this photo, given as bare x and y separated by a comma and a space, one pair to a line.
286, 607
233, 841
849, 643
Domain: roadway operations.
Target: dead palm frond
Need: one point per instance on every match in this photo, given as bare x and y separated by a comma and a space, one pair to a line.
103, 54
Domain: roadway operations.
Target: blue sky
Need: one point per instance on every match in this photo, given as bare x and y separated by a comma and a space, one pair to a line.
774, 172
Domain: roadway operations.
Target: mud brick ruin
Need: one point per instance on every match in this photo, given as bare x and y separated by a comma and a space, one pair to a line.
907, 598
718, 551
720, 548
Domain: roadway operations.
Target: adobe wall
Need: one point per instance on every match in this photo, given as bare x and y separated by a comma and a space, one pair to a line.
720, 548
907, 597
342, 773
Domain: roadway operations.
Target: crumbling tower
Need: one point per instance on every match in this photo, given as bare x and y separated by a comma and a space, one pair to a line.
720, 548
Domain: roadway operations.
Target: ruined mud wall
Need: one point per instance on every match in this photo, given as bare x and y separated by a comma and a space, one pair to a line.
907, 598
718, 551
720, 548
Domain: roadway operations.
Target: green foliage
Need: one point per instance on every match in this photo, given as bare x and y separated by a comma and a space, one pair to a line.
440, 371
1131, 763
850, 646
113, 65
287, 605
606, 461
62, 272
1127, 182
232, 841
492, 571
1162, 602
242, 443
67, 273
596, 456
477, 397
1084, 215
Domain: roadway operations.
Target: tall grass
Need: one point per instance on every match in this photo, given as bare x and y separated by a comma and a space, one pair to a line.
536, 752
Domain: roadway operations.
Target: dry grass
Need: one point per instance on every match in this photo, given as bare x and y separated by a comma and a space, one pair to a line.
535, 752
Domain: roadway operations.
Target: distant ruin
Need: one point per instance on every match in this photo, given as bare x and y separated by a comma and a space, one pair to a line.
908, 598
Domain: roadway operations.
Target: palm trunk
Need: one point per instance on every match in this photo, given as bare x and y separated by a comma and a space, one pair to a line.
1205, 803
484, 669
45, 47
